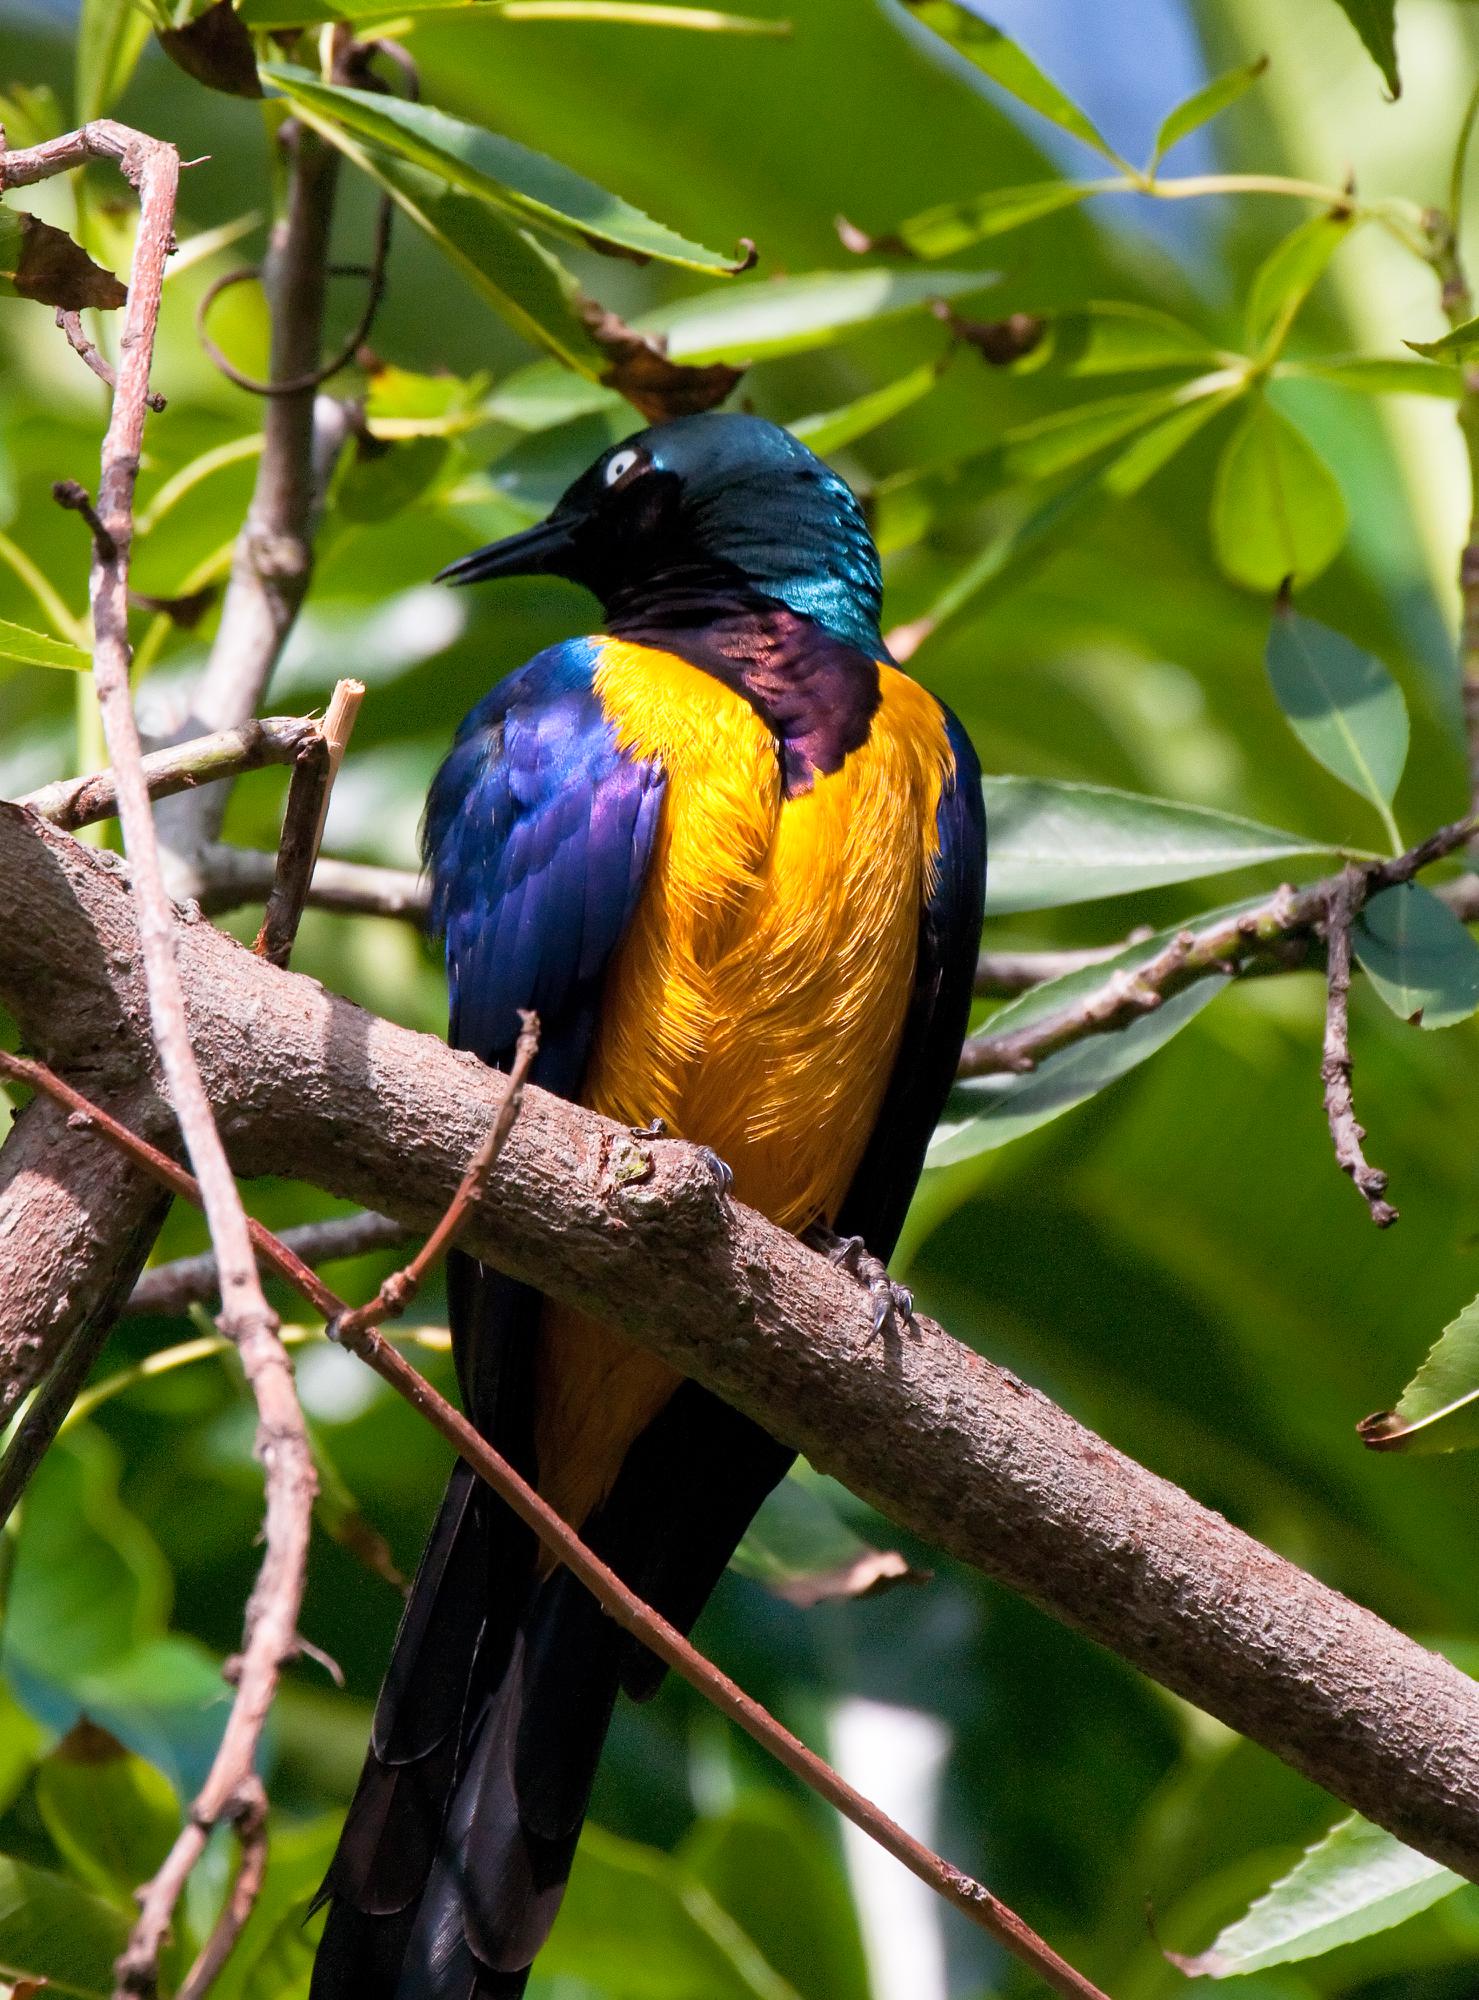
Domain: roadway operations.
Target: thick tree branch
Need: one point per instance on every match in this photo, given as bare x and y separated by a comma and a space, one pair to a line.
958, 1450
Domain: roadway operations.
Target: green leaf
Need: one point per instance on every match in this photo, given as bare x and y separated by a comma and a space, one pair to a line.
527, 186
522, 280
1116, 337
1205, 104
802, 1550
21, 1741
830, 430
1341, 703
765, 1865
1455, 345
1054, 842
985, 1112
1356, 1881
1418, 956
1287, 276
1375, 21
111, 1816
1277, 510
374, 486
38, 649
1382, 375
52, 1930
758, 321
1065, 438
952, 226
635, 1922
474, 13
1439, 1408
111, 35
1007, 64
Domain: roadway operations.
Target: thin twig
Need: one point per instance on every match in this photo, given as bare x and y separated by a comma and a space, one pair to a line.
250, 1826
74, 496
230, 876
1343, 902
170, 1289
86, 350
621, 1603
277, 739
314, 773
1002, 975
402, 1286
282, 1441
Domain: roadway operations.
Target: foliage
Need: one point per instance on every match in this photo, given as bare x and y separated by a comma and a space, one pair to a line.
1184, 397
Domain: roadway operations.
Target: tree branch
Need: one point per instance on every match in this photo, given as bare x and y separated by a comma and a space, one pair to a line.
314, 772
632, 1231
277, 739
1344, 903
172, 1288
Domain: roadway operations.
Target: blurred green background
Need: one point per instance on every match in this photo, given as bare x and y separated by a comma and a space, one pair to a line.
1177, 1260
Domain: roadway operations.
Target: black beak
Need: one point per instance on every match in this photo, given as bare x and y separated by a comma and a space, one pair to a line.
544, 550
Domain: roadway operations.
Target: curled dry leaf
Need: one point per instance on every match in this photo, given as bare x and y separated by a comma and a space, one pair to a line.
640, 370
216, 49
42, 263
999, 341
872, 1572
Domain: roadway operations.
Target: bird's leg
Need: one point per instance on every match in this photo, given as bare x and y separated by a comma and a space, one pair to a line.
893, 1305
656, 1128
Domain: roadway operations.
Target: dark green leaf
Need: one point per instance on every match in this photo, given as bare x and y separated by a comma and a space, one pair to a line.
1341, 703
39, 649
1116, 337
111, 1816
1439, 1408
1053, 843
1356, 1881
953, 226
1007, 64
1375, 21
525, 185
985, 1112
378, 483
1277, 511
1418, 956
1207, 103
52, 1930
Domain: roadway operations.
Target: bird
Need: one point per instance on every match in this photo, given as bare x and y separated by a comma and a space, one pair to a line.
733, 857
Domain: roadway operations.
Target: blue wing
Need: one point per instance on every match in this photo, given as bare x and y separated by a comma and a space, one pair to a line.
939, 1009
538, 832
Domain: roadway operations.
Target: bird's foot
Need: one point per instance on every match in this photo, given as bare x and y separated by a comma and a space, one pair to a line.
893, 1305
656, 1128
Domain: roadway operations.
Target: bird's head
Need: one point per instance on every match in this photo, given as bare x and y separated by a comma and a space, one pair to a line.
719, 502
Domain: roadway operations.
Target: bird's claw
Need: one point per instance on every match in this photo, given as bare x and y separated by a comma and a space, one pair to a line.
656, 1128
893, 1305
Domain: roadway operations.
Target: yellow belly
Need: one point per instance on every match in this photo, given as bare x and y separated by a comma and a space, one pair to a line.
756, 1002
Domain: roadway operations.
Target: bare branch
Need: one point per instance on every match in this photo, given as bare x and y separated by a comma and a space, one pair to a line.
188, 1281
957, 1450
277, 739
1346, 896
71, 325
231, 876
314, 773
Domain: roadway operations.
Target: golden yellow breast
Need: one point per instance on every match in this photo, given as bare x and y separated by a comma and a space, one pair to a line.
756, 1002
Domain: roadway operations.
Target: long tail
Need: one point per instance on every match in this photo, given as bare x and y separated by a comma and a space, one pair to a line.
490, 1724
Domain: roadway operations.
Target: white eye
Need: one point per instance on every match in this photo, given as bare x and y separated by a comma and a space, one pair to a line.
618, 467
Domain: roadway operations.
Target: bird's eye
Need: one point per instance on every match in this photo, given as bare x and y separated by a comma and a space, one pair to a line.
617, 468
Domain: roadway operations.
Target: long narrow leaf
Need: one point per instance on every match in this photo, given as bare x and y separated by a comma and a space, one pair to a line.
38, 649
1205, 104
1009, 65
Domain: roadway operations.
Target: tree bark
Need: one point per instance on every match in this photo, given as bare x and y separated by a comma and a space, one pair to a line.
634, 1230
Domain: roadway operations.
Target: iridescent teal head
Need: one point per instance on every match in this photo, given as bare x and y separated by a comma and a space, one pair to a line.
718, 502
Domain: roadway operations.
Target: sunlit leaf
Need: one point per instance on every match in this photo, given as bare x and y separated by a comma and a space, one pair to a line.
1455, 345
800, 1548
525, 185
1418, 956
830, 430
111, 1816
1439, 1408
955, 225
1342, 704
636, 1922
757, 321
1356, 1881
1289, 273
39, 649
1375, 21
111, 36
1207, 103
51, 1929
1054, 842
1380, 375
1048, 445
985, 1112
1277, 509
1009, 65
1116, 337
